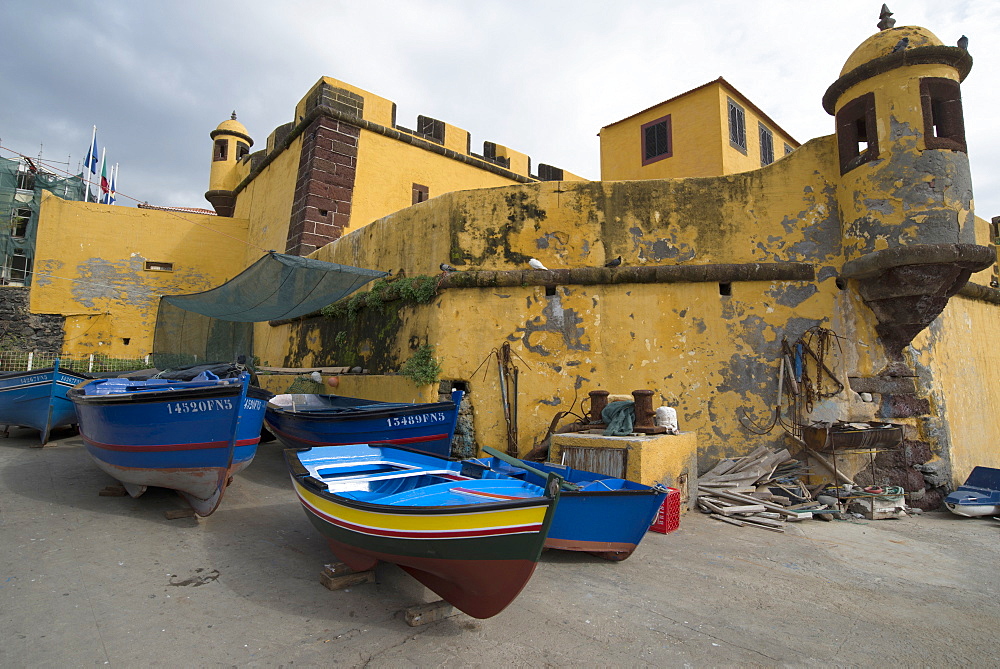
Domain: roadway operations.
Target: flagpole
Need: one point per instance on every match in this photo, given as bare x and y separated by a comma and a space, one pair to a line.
90, 149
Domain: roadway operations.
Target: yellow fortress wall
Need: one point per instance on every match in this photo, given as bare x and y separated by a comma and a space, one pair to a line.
104, 268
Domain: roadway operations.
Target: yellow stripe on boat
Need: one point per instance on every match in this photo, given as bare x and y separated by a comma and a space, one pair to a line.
475, 520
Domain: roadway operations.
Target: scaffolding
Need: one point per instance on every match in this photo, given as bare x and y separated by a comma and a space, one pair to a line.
21, 187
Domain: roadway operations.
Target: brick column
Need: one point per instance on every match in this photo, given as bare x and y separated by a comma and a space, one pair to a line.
324, 187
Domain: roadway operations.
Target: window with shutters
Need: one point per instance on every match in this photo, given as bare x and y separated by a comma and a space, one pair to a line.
657, 143
737, 126
857, 139
944, 124
766, 145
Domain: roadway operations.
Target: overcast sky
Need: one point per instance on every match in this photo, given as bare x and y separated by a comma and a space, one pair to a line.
540, 77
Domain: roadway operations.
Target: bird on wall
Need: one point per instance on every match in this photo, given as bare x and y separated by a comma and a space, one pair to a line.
536, 264
614, 263
901, 44
963, 42
317, 377
445, 267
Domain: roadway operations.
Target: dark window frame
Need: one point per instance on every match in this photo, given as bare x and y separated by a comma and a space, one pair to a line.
19, 220
421, 193
242, 150
856, 123
766, 137
656, 136
158, 266
221, 150
20, 273
737, 125
944, 122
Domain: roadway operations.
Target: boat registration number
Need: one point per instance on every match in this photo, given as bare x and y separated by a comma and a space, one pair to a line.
197, 406
420, 419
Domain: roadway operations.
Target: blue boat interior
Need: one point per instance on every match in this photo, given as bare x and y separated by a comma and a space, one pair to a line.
396, 477
982, 487
588, 481
120, 386
334, 404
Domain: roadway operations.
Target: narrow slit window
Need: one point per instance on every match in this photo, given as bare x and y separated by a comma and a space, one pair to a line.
725, 289
152, 266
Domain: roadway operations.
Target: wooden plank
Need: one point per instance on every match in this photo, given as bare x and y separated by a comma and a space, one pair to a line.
721, 467
763, 521
751, 459
174, 514
751, 500
710, 505
113, 491
746, 508
731, 521
763, 527
750, 475
338, 576
428, 613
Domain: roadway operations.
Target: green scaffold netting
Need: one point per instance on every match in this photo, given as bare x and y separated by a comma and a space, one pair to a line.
216, 325
275, 287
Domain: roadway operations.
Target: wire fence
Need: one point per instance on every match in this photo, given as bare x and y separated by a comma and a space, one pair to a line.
21, 361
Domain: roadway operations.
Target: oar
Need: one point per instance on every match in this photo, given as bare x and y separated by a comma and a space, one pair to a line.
563, 483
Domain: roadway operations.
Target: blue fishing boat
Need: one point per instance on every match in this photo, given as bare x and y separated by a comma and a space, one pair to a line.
304, 421
978, 496
598, 514
470, 534
189, 436
37, 399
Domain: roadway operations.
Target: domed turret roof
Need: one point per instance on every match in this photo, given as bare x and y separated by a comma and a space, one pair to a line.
884, 42
232, 127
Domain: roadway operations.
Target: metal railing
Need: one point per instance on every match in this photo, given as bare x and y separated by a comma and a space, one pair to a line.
20, 361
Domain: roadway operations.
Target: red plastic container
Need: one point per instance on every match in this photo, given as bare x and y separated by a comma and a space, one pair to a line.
668, 518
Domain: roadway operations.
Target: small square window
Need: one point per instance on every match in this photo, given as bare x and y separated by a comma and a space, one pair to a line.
737, 126
152, 266
18, 268
944, 124
857, 139
788, 149
657, 142
242, 149
766, 145
221, 151
420, 193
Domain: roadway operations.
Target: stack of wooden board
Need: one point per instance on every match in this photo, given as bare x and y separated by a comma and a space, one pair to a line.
756, 490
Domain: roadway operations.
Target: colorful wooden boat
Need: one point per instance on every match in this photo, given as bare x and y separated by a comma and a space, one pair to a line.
37, 399
189, 436
304, 421
471, 535
598, 514
978, 496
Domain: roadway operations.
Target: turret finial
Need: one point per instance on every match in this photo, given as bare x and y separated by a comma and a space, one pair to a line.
234, 114
884, 21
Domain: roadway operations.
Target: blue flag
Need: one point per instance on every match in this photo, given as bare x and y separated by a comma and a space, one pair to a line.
91, 160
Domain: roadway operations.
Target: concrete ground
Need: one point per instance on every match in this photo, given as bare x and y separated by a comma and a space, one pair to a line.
90, 580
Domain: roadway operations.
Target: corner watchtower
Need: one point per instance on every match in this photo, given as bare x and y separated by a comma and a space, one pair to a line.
230, 143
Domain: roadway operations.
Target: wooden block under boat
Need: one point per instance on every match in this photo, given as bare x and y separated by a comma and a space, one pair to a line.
428, 613
338, 576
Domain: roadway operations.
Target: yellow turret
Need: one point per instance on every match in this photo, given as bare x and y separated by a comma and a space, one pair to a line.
230, 144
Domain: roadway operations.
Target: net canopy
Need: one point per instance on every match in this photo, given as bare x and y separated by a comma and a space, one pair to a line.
276, 287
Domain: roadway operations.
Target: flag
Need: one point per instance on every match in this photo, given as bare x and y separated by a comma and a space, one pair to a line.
105, 185
114, 178
91, 160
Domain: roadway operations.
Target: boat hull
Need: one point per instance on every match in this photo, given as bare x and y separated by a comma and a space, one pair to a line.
978, 496
477, 556
305, 421
185, 437
607, 517
37, 399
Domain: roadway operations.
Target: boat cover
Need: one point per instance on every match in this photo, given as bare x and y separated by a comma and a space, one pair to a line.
275, 287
